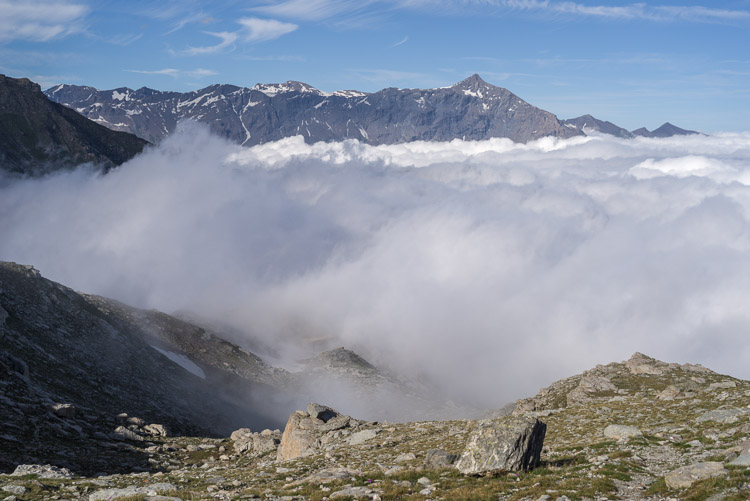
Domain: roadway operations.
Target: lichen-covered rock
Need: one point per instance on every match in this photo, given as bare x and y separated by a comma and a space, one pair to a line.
741, 460
509, 444
362, 436
148, 491
621, 432
726, 416
42, 471
643, 364
296, 441
589, 386
684, 477
438, 458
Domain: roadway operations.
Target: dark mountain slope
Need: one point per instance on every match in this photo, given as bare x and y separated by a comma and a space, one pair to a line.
38, 136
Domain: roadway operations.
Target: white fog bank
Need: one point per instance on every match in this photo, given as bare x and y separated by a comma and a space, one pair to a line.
494, 268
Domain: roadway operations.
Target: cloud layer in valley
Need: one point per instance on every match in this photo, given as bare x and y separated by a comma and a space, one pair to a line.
491, 267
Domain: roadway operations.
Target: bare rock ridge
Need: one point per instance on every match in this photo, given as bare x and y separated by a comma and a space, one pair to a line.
38, 136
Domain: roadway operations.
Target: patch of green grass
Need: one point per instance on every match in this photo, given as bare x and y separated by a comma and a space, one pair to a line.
602, 445
619, 454
658, 487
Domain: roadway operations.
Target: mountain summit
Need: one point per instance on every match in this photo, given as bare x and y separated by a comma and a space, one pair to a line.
471, 109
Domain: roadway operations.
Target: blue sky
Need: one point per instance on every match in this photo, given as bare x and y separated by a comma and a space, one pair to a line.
635, 64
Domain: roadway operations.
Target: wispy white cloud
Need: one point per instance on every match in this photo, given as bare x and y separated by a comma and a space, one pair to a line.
125, 39
175, 73
259, 30
172, 72
311, 10
634, 11
281, 58
400, 42
388, 77
40, 20
228, 38
252, 30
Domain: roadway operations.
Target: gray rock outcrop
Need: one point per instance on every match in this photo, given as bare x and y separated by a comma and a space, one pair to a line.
507, 444
246, 441
42, 471
438, 458
684, 477
622, 432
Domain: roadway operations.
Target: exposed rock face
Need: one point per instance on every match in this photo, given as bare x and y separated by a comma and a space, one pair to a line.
509, 444
472, 109
38, 136
590, 385
684, 477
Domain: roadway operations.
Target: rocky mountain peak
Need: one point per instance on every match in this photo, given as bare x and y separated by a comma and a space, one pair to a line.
273, 89
665, 130
339, 358
472, 82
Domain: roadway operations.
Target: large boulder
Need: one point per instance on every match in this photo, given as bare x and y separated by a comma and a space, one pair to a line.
306, 431
507, 444
684, 477
622, 432
255, 443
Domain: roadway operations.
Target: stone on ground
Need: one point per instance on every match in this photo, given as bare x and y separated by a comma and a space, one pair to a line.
42, 471
621, 432
684, 477
509, 444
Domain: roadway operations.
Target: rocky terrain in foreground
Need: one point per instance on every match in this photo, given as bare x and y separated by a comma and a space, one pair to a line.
638, 429
99, 400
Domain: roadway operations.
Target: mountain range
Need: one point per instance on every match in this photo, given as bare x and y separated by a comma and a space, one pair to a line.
75, 125
472, 109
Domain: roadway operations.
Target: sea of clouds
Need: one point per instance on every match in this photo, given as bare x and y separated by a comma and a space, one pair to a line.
491, 268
